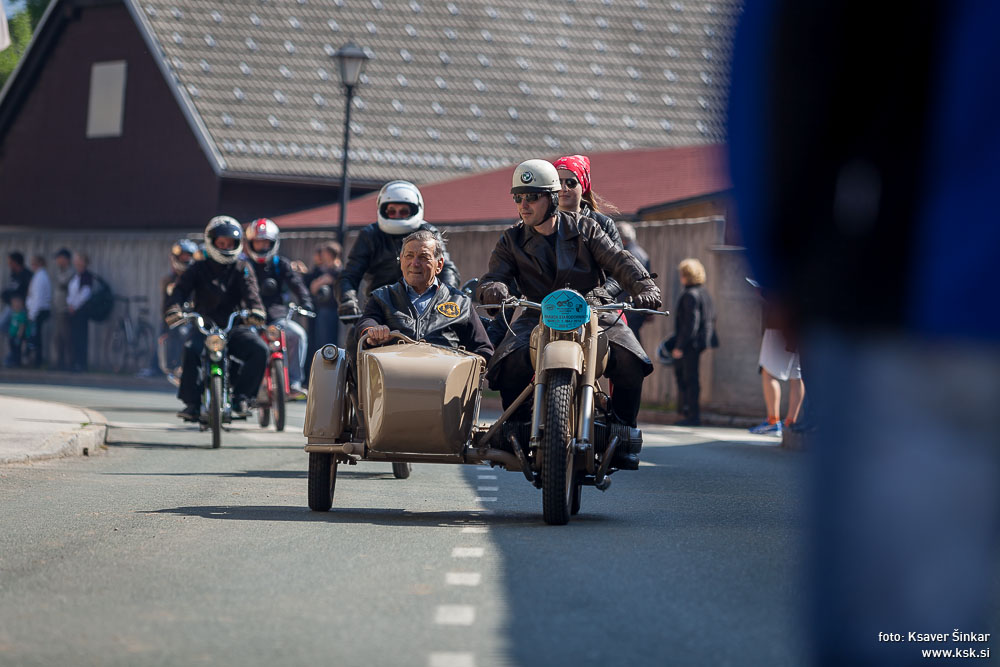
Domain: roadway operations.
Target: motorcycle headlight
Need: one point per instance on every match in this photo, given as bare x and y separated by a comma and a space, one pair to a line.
215, 343
273, 333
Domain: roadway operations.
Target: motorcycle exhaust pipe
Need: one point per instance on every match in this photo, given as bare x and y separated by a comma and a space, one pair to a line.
601, 479
525, 466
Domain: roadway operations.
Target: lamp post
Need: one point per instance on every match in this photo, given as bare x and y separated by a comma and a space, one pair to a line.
350, 62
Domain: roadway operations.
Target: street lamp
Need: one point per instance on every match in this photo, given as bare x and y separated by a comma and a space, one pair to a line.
350, 61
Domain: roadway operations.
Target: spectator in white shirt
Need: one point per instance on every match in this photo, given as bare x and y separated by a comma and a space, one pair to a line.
38, 303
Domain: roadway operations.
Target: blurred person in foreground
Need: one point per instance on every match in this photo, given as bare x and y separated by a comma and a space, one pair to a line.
865, 180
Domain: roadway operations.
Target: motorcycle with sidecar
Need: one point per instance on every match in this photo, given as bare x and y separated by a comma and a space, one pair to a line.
414, 402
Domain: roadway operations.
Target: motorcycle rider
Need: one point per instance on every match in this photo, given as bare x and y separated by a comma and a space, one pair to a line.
274, 276
375, 254
421, 306
550, 249
220, 284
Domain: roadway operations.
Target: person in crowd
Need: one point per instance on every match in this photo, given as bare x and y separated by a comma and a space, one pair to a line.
81, 287
322, 282
62, 274
275, 279
694, 330
627, 231
778, 362
549, 249
17, 331
38, 304
220, 285
421, 306
182, 254
20, 276
375, 254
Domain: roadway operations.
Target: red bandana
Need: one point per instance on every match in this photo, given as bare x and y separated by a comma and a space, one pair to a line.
579, 165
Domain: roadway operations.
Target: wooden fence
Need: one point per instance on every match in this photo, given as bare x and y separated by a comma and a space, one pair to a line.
134, 263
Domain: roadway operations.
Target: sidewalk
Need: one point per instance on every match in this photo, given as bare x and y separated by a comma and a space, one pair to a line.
31, 430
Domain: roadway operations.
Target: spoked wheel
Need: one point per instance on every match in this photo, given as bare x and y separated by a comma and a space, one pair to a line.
401, 470
117, 349
143, 351
557, 453
215, 410
574, 503
322, 481
278, 393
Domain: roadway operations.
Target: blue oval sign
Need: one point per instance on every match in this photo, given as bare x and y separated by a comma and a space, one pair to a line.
565, 310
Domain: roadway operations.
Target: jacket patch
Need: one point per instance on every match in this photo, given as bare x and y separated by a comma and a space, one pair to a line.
449, 309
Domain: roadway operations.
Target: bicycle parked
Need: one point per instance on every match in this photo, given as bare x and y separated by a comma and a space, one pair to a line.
129, 346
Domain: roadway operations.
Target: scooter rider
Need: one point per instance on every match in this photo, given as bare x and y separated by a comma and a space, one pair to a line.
221, 284
422, 307
375, 254
274, 276
548, 250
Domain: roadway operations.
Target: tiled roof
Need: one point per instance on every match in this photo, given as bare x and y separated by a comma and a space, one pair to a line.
453, 88
632, 180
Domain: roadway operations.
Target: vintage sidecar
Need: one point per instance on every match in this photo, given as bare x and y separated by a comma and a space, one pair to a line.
413, 402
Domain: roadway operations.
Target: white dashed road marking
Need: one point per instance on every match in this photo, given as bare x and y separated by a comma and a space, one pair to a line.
467, 552
487, 488
455, 614
443, 659
474, 529
463, 578
487, 476
486, 499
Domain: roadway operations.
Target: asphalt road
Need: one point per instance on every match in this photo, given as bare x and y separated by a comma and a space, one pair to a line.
163, 551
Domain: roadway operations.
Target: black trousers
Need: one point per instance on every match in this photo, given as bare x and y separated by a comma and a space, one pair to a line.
40, 319
688, 384
79, 326
625, 370
244, 345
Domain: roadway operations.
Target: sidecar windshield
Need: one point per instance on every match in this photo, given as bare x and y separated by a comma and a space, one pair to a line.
565, 310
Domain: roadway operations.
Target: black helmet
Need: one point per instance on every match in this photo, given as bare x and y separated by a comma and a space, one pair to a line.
223, 226
183, 246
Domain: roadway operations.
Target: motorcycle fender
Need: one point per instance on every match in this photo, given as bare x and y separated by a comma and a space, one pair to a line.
562, 354
327, 399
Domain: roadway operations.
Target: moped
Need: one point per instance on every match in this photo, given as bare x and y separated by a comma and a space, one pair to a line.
413, 402
274, 388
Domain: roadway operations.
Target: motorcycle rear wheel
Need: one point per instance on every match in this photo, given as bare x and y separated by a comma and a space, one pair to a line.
278, 393
215, 410
557, 454
322, 481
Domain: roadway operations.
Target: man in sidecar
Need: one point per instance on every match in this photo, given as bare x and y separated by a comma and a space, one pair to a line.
550, 249
422, 307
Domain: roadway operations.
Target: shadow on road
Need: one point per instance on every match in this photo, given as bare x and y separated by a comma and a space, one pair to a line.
197, 445
352, 515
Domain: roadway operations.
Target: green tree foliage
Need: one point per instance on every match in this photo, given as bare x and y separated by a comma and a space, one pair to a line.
22, 26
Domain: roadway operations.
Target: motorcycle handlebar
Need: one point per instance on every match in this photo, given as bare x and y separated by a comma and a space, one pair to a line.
608, 307
199, 321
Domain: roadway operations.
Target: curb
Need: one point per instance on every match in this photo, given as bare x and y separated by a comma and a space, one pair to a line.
85, 441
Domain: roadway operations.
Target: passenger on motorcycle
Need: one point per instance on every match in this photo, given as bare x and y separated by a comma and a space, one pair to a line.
220, 284
548, 250
275, 277
421, 306
375, 254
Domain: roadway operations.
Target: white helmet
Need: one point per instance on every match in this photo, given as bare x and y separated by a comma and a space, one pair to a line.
535, 176
400, 192
223, 226
262, 229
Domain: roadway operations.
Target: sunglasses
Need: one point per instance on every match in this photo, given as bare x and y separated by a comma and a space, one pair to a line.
530, 197
569, 182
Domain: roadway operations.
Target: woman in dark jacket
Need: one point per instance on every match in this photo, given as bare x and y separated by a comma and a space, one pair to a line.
694, 328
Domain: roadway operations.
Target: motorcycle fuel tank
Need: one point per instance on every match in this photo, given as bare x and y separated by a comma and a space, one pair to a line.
419, 399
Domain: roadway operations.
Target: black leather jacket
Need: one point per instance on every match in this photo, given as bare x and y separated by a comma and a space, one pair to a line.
694, 321
611, 229
218, 289
274, 277
449, 319
375, 256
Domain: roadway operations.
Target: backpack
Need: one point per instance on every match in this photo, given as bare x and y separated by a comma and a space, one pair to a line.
101, 301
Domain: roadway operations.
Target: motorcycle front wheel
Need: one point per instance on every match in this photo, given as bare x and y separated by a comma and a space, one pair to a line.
215, 410
557, 452
278, 393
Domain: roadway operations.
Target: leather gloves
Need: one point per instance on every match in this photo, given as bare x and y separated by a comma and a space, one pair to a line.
598, 297
349, 304
494, 293
173, 315
256, 318
647, 294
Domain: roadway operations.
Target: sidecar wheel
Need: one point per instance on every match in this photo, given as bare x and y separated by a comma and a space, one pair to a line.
322, 481
401, 470
557, 454
215, 410
278, 393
